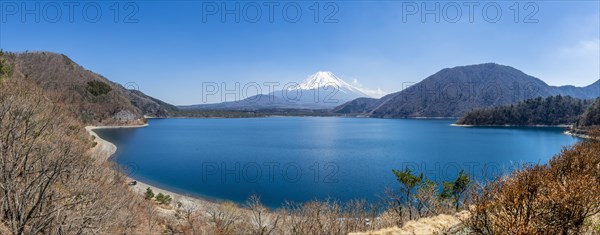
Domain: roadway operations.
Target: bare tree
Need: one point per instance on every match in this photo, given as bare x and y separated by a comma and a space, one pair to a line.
225, 218
555, 198
261, 221
37, 156
48, 181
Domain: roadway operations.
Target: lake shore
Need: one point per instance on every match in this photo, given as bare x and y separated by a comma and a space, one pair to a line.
105, 149
108, 149
507, 125
571, 133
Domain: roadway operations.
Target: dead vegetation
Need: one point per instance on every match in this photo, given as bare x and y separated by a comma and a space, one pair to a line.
560, 197
48, 184
329, 216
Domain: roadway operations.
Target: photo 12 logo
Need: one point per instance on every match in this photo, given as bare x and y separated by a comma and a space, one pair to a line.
68, 11
269, 172
269, 92
271, 12
442, 171
454, 12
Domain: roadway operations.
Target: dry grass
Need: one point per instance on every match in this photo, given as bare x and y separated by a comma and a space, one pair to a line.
556, 198
439, 224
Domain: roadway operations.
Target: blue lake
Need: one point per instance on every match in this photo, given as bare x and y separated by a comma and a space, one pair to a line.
305, 158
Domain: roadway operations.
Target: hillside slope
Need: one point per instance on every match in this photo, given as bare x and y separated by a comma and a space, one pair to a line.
453, 92
93, 98
356, 106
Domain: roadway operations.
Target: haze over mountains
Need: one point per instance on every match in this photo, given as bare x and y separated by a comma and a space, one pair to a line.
322, 90
452, 92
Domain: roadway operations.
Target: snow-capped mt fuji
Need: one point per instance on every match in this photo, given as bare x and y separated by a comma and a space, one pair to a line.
324, 79
322, 90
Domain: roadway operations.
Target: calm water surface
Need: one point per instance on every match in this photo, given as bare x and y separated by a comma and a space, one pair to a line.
305, 158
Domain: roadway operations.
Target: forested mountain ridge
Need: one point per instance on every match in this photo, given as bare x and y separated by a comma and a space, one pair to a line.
452, 92
591, 117
552, 110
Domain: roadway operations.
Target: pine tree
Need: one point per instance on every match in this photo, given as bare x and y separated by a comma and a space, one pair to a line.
149, 194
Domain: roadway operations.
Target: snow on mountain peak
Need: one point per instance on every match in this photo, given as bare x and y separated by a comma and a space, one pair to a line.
327, 80
321, 79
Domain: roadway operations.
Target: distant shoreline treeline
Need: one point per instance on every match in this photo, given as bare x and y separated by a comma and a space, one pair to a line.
551, 111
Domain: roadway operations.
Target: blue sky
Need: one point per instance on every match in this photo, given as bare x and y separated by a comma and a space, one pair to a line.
169, 48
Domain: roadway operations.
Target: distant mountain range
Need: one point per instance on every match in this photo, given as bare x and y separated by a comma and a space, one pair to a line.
322, 90
452, 92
